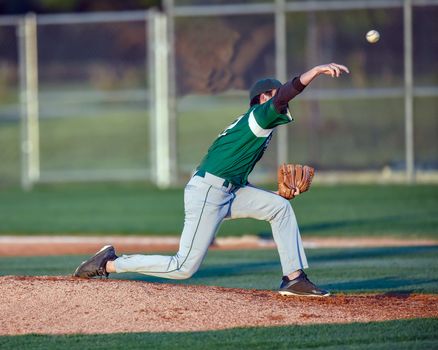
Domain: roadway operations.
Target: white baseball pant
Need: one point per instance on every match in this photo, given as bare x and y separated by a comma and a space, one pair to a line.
207, 203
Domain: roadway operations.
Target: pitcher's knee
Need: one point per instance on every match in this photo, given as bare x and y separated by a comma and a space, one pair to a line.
186, 271
282, 204
282, 208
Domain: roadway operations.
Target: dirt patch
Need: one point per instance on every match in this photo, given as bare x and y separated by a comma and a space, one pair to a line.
65, 305
62, 245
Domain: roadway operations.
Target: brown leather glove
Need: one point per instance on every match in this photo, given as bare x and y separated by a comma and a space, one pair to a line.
294, 179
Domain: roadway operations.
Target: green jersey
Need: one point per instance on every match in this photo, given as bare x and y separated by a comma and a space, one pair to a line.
235, 152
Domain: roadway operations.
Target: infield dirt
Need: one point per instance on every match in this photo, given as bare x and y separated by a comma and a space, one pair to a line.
65, 305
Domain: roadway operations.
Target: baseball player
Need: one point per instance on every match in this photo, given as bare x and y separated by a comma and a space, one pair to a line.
219, 189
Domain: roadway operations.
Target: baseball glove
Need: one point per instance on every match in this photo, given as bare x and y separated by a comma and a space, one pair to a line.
294, 179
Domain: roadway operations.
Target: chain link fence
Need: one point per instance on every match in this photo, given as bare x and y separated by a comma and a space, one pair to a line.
9, 106
93, 94
356, 125
217, 59
105, 93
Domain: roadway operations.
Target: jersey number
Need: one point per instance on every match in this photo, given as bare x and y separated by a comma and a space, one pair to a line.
223, 133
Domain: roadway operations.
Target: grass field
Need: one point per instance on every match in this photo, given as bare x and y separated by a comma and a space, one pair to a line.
347, 210
405, 334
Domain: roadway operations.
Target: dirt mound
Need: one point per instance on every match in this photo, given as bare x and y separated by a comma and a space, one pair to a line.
65, 305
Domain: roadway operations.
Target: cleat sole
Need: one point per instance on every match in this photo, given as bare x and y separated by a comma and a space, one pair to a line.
290, 294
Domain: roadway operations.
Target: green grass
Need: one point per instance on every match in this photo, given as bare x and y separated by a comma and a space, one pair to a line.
346, 210
402, 334
9, 153
401, 269
110, 141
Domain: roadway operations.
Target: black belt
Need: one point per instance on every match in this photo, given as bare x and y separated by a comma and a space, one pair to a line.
201, 173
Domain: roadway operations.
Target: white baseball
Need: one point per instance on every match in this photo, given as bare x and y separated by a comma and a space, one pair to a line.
373, 36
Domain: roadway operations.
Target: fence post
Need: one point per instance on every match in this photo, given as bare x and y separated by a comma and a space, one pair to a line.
281, 72
409, 98
159, 85
169, 8
28, 71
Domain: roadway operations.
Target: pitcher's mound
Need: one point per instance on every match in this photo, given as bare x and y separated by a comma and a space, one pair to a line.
63, 305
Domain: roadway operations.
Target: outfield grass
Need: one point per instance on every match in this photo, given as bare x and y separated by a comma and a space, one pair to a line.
402, 334
344, 210
110, 141
364, 270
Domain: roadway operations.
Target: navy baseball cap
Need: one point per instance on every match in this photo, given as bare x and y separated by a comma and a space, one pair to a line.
263, 85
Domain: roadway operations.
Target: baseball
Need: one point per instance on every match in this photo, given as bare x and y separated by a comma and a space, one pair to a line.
373, 36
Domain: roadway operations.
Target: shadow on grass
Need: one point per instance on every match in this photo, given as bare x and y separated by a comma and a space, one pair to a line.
364, 222
255, 272
234, 269
379, 283
330, 225
346, 269
400, 334
370, 253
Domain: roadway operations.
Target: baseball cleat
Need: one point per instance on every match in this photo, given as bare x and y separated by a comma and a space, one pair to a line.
301, 286
96, 265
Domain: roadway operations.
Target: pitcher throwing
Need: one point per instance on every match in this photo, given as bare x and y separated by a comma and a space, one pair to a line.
219, 190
